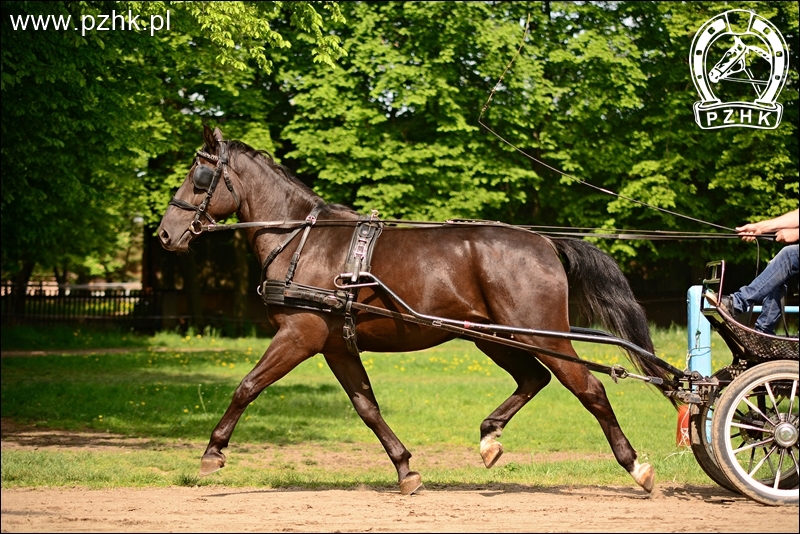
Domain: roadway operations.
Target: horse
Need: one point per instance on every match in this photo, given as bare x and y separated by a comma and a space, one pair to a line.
478, 274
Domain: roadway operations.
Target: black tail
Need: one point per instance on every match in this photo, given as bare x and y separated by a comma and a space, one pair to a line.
603, 295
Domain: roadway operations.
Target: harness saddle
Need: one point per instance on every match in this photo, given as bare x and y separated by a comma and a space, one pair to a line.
358, 260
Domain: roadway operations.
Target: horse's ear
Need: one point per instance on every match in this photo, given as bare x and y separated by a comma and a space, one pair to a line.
210, 138
217, 134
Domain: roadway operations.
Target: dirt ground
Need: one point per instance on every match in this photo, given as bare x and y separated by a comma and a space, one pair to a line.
501, 508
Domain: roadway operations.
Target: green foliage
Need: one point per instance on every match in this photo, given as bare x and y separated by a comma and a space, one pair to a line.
376, 105
600, 90
393, 128
95, 123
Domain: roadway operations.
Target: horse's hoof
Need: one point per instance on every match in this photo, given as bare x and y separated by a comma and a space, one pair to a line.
211, 464
644, 475
491, 454
411, 483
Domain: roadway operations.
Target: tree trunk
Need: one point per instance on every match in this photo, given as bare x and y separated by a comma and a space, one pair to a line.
191, 286
21, 289
61, 279
241, 280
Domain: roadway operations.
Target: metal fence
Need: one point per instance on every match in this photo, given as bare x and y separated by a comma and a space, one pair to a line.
125, 305
107, 303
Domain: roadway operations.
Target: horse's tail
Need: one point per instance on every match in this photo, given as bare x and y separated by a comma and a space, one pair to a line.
603, 295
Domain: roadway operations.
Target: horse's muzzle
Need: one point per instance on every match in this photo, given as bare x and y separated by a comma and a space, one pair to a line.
174, 243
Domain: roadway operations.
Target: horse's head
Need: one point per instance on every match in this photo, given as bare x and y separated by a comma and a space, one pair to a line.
197, 202
731, 63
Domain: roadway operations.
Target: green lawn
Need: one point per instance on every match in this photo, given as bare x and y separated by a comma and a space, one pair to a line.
433, 399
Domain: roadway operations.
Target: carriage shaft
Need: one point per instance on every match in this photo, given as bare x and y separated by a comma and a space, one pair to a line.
467, 328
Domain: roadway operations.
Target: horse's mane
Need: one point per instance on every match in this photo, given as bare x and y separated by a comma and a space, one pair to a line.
265, 158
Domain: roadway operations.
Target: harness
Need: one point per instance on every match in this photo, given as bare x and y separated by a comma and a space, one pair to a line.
342, 300
286, 292
206, 180
357, 267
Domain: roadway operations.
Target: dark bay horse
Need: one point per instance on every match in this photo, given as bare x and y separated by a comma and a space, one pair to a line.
481, 274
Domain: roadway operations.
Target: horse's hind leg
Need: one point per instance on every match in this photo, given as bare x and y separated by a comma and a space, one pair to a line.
351, 374
591, 393
284, 353
530, 376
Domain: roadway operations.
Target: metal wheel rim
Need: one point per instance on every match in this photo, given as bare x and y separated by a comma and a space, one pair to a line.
752, 454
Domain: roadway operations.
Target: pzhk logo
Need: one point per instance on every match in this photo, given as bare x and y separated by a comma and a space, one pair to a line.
748, 44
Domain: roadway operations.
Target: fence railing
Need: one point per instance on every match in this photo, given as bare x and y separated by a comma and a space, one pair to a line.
123, 305
43, 304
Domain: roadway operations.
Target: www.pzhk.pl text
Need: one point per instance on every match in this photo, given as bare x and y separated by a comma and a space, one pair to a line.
113, 22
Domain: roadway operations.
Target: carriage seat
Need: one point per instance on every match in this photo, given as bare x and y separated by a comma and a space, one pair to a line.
743, 341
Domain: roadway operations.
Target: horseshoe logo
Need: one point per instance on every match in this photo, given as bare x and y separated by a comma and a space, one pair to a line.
764, 112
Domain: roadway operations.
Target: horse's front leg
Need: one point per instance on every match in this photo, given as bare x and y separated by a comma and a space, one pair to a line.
351, 374
530, 376
290, 346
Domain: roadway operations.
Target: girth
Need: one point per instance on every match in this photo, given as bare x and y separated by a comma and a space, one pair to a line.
295, 295
357, 261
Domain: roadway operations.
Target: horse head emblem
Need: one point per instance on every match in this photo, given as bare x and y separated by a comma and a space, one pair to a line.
753, 39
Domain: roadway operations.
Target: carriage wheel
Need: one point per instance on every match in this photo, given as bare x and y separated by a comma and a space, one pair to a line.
699, 426
755, 433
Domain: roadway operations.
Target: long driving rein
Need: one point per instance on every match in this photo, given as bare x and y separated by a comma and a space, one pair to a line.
206, 179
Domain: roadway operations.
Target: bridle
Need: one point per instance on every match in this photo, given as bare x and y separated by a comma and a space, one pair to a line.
206, 180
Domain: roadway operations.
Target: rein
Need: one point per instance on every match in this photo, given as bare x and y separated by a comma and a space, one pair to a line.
553, 231
221, 168
558, 171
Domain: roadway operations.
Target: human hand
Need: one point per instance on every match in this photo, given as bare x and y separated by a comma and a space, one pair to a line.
749, 231
787, 235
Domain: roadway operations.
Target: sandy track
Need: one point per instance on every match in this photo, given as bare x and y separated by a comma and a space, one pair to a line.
495, 508
220, 509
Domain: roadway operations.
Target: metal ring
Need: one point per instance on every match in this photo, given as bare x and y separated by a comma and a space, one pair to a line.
196, 227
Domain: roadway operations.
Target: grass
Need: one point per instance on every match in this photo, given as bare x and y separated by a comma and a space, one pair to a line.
67, 338
432, 399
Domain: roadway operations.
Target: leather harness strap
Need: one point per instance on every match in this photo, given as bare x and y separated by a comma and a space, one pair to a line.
358, 260
306, 227
220, 166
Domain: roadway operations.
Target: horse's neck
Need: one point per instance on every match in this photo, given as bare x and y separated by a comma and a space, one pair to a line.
275, 206
273, 198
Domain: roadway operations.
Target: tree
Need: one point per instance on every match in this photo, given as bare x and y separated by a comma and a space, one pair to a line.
91, 120
388, 119
600, 91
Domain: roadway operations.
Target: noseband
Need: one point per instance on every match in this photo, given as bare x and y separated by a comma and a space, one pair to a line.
205, 179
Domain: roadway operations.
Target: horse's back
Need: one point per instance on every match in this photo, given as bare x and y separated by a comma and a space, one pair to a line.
477, 273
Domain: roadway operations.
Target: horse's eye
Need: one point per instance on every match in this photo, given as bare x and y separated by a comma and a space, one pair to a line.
202, 176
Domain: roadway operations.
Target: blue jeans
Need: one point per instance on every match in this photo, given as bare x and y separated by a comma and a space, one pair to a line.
768, 288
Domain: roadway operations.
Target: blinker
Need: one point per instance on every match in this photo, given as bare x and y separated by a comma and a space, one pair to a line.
202, 177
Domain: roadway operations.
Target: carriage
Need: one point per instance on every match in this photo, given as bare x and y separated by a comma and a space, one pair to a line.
344, 290
743, 422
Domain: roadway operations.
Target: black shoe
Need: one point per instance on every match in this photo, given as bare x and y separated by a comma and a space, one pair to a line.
726, 303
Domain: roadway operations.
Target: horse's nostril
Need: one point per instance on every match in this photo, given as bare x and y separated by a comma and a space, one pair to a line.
163, 235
